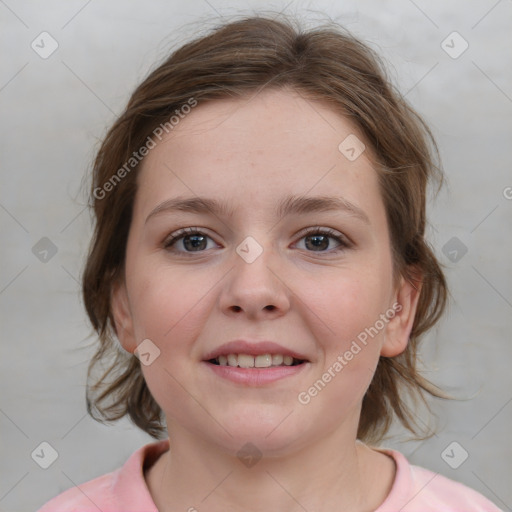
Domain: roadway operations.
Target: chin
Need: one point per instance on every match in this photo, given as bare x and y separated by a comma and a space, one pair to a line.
266, 433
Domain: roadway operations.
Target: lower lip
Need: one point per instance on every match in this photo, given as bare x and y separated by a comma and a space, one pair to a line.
255, 376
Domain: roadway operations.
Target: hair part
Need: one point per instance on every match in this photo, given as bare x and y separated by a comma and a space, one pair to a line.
235, 60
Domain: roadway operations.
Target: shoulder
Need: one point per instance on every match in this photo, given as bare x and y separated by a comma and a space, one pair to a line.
89, 496
439, 490
417, 489
123, 489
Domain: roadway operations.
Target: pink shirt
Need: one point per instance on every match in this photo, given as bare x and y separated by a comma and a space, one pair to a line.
415, 489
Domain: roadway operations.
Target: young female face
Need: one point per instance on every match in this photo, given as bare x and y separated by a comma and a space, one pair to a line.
255, 275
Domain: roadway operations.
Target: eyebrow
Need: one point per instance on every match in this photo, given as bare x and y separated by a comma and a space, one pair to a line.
287, 206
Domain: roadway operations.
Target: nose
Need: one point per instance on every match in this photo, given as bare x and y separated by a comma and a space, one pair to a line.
255, 288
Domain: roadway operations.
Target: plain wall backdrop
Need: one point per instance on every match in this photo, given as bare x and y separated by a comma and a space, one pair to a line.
54, 110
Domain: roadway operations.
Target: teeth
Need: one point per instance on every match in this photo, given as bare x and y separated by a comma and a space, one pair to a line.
277, 359
245, 361
263, 361
260, 361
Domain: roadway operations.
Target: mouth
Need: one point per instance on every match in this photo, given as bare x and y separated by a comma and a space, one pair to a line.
259, 361
256, 370
255, 363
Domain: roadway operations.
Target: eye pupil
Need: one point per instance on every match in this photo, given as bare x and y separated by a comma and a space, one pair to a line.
319, 241
195, 243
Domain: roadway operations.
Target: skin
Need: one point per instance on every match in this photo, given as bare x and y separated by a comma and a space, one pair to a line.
251, 152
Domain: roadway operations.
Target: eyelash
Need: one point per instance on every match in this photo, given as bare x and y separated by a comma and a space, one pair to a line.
344, 243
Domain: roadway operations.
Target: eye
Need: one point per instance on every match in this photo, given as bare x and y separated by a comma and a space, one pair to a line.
191, 239
318, 240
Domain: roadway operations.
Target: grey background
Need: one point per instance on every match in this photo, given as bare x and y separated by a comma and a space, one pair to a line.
55, 110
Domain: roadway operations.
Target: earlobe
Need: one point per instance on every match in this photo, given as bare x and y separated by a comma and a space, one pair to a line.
122, 316
399, 327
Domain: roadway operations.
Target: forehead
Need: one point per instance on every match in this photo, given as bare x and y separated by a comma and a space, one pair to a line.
254, 151
281, 120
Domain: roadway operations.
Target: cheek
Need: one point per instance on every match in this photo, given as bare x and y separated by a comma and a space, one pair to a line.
166, 302
169, 309
350, 343
350, 335
348, 304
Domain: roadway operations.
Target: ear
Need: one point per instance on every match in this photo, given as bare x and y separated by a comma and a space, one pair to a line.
122, 316
399, 327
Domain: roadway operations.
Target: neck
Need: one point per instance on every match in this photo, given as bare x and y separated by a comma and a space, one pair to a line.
334, 473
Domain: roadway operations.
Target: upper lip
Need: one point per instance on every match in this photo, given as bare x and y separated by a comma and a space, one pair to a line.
252, 348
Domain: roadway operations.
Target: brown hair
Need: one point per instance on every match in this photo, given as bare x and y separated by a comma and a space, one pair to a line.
237, 58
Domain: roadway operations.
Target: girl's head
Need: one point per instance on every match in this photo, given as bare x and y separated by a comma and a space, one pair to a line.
300, 175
